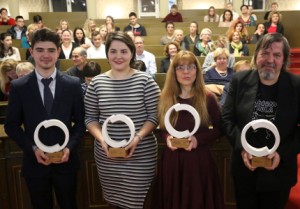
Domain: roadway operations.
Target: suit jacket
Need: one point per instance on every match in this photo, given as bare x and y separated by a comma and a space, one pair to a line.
237, 112
25, 108
164, 65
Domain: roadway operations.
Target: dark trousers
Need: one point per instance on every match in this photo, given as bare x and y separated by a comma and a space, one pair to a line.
63, 185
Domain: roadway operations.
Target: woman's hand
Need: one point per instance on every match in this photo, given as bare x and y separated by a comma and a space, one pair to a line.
193, 143
104, 146
169, 143
132, 145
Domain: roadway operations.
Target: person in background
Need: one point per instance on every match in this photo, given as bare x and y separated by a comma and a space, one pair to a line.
97, 50
211, 16
123, 90
64, 25
28, 107
169, 37
25, 40
7, 74
79, 57
202, 46
268, 92
250, 10
80, 39
103, 33
110, 24
24, 68
274, 8
4, 19
174, 15
188, 178
134, 26
236, 46
226, 19
170, 50
239, 26
38, 20
90, 70
229, 6
67, 45
259, 33
6, 48
147, 57
89, 27
140, 65
274, 24
18, 30
245, 17
193, 36
179, 36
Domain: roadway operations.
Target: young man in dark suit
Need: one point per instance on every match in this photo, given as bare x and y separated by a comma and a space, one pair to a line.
27, 108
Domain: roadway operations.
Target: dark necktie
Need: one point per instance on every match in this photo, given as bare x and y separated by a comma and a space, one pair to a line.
48, 97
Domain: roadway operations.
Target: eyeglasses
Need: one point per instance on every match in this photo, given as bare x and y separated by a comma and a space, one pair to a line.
189, 67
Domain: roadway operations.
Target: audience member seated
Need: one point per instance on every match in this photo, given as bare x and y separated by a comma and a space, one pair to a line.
169, 37
26, 40
7, 74
140, 65
259, 33
134, 26
237, 47
229, 6
64, 25
226, 19
67, 45
245, 17
4, 19
274, 8
238, 66
239, 26
79, 58
179, 36
89, 27
209, 61
38, 20
171, 49
147, 57
103, 33
218, 76
202, 45
97, 50
211, 15
193, 36
250, 10
6, 48
24, 68
110, 24
174, 15
80, 39
274, 24
90, 70
18, 30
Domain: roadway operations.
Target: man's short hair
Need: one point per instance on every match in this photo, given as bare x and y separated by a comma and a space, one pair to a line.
91, 69
43, 35
19, 17
132, 14
3, 9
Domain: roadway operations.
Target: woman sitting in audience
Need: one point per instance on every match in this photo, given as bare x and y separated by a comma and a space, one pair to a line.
67, 46
259, 33
274, 24
25, 40
245, 17
110, 24
171, 49
239, 26
24, 68
103, 33
226, 19
219, 75
211, 16
64, 25
80, 39
6, 48
169, 37
89, 27
7, 74
237, 47
202, 47
193, 36
178, 34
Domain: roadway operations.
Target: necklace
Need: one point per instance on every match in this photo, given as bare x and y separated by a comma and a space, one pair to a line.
223, 74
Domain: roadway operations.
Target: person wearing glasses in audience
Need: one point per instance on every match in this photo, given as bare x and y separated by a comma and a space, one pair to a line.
188, 177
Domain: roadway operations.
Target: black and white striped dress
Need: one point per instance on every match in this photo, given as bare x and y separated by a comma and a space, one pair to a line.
125, 182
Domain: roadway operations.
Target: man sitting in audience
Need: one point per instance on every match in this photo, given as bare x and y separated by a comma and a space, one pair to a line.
5, 19
90, 70
79, 57
97, 50
137, 29
147, 57
18, 30
174, 15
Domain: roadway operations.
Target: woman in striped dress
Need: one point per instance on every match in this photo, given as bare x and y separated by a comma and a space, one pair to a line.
124, 90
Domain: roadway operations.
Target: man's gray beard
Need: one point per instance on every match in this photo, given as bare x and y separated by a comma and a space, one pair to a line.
267, 75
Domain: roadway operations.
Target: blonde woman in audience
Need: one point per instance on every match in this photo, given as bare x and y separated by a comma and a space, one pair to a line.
239, 26
237, 47
103, 33
80, 39
274, 24
25, 40
67, 45
89, 27
202, 46
6, 48
110, 24
64, 25
193, 36
169, 37
226, 19
24, 68
171, 49
7, 74
211, 16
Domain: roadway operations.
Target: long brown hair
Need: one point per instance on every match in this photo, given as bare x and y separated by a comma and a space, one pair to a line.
172, 90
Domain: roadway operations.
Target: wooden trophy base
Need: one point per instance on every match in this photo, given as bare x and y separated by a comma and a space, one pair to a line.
117, 152
180, 142
261, 162
54, 157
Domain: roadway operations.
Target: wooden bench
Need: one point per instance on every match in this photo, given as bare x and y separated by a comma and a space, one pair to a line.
67, 63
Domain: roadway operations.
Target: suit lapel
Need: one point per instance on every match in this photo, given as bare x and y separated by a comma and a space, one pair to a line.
59, 88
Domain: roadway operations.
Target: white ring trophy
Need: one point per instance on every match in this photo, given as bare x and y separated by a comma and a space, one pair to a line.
180, 139
117, 148
53, 152
259, 154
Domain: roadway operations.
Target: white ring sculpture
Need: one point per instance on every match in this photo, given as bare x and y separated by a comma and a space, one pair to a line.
255, 124
47, 124
113, 119
183, 134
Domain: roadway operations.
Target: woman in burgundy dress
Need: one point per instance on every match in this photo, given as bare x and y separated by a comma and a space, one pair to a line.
188, 178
